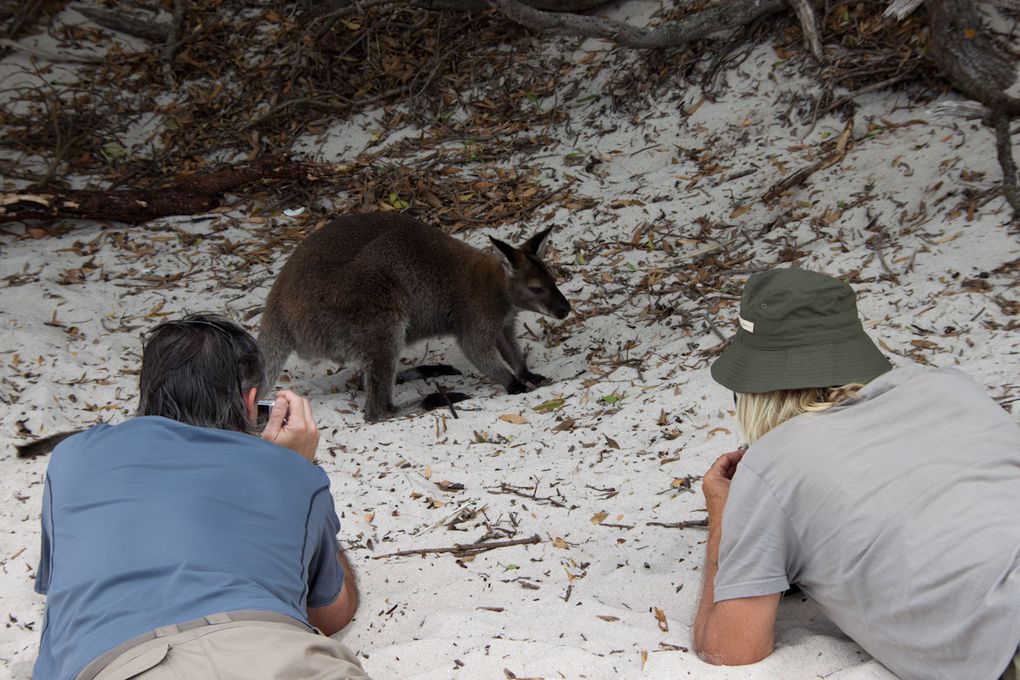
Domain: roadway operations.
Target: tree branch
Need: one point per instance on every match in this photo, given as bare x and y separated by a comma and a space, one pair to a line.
713, 19
809, 26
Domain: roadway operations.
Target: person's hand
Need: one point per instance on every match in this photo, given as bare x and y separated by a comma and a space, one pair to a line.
716, 482
291, 424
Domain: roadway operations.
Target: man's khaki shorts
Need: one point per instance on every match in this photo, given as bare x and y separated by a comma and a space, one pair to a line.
239, 650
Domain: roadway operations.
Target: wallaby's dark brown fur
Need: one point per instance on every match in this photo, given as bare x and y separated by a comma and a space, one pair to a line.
364, 285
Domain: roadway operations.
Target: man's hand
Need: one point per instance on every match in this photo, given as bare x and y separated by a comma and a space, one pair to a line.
716, 482
291, 424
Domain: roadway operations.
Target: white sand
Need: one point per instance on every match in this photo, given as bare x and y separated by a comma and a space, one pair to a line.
583, 610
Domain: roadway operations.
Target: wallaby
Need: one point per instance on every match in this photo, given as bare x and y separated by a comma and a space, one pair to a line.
363, 286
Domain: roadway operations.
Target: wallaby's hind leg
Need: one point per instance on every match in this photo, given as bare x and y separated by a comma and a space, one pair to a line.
380, 370
487, 359
276, 344
506, 342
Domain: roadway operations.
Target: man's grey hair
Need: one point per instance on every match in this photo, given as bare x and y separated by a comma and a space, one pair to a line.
196, 370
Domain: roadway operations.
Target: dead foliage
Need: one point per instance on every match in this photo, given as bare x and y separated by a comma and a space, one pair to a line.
240, 82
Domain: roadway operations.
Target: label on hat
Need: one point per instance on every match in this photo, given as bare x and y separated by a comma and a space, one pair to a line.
745, 324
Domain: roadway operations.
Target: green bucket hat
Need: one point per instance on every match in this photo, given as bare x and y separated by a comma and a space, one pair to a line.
798, 329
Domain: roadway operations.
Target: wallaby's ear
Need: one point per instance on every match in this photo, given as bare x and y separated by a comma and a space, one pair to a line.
508, 252
534, 244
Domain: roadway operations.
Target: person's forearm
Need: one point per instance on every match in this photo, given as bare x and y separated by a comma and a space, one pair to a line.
707, 602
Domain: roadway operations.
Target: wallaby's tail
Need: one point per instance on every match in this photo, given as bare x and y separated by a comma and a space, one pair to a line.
40, 447
276, 344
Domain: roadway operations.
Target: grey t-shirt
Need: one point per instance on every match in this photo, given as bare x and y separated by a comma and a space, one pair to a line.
898, 512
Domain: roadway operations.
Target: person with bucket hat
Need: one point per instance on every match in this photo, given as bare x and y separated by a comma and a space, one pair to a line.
889, 496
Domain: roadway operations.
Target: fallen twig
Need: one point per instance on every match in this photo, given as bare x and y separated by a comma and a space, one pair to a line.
686, 524
464, 549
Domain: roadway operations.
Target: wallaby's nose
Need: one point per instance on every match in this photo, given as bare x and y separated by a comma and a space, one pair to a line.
562, 308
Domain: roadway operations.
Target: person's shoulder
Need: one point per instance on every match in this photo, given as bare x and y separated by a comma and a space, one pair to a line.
949, 378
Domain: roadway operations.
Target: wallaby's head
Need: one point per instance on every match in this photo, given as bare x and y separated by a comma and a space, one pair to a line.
531, 285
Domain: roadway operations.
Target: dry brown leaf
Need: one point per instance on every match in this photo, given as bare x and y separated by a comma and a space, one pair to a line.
513, 418
560, 543
599, 517
565, 426
660, 617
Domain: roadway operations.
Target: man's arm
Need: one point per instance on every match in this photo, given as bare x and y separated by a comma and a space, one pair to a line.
738, 631
335, 616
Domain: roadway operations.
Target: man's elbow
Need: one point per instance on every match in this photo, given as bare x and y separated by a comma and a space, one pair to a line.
720, 651
332, 618
730, 657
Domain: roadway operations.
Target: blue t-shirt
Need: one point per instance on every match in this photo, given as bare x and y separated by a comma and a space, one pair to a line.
154, 522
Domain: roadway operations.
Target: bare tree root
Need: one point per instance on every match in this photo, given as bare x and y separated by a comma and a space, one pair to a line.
982, 72
1004, 147
128, 22
545, 5
722, 16
134, 206
968, 57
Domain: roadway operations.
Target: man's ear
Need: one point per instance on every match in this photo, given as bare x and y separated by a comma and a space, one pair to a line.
249, 403
508, 252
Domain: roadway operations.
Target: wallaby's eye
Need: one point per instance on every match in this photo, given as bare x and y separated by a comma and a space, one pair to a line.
537, 290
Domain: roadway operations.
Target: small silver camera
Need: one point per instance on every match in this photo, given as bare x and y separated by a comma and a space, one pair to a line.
263, 407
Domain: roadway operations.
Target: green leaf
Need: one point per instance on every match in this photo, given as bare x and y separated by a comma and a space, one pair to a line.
580, 258
547, 406
113, 151
397, 202
612, 398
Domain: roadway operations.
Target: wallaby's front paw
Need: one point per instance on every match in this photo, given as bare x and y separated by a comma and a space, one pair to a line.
516, 387
534, 379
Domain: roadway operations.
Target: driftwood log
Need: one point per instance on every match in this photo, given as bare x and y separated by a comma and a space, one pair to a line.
134, 206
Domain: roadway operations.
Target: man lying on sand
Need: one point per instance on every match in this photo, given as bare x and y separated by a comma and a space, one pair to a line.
891, 497
179, 545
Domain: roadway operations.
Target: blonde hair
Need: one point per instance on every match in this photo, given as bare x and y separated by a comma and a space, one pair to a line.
759, 413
